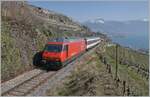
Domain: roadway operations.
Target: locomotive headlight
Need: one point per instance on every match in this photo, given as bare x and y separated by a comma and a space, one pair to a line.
44, 61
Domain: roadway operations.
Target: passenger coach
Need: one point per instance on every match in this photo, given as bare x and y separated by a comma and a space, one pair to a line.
92, 41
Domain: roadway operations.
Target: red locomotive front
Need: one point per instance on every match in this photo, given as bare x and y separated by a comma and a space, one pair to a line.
60, 51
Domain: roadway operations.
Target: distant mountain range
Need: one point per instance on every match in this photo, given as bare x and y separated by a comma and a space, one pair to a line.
131, 27
133, 33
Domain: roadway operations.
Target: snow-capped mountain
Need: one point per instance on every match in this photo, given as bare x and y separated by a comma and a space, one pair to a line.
97, 20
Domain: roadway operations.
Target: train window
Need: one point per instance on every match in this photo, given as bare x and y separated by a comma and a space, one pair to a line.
53, 48
90, 42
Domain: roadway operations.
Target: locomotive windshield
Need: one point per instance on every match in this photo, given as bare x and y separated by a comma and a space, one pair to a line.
53, 48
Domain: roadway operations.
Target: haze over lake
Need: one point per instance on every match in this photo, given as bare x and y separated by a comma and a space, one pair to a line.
137, 42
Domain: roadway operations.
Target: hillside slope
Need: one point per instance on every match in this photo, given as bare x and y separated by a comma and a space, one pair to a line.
25, 30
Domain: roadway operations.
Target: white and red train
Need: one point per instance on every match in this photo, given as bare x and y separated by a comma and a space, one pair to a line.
59, 51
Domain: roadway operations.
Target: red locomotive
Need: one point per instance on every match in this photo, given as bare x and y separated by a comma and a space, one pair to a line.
60, 51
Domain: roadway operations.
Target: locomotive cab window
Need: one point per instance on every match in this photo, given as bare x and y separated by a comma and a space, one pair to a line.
53, 48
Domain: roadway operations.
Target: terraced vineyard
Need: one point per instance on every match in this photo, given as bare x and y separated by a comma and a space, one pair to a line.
133, 68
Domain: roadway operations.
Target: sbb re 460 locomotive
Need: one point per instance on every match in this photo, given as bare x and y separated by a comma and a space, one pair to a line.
60, 51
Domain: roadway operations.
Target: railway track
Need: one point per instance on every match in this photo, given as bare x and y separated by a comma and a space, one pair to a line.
28, 85
36, 79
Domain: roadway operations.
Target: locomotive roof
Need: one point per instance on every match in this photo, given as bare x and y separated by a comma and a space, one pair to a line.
64, 39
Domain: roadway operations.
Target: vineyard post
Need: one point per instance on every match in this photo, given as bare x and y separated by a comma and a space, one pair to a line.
116, 72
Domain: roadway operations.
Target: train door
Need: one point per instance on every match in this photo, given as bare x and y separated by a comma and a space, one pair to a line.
66, 50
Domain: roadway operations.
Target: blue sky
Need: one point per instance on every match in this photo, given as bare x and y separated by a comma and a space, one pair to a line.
108, 10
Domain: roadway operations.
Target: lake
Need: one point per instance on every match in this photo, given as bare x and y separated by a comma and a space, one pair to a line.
133, 41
